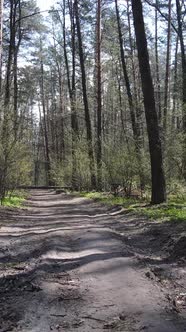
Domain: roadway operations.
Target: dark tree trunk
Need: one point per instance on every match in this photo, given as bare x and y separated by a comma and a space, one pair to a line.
71, 87
183, 57
47, 154
167, 71
1, 41
18, 36
74, 119
175, 88
85, 98
158, 87
123, 122
125, 73
134, 109
157, 173
99, 97
10, 54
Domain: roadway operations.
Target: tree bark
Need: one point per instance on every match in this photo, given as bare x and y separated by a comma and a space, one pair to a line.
10, 54
18, 37
1, 40
71, 86
125, 73
175, 87
183, 58
157, 172
85, 98
158, 87
134, 109
167, 71
47, 154
99, 97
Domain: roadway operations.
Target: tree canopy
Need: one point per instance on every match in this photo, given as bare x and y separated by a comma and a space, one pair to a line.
92, 95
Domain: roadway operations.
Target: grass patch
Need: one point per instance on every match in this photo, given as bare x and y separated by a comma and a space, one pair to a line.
110, 199
173, 210
15, 199
164, 212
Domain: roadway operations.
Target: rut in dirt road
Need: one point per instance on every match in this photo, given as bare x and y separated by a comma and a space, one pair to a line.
64, 269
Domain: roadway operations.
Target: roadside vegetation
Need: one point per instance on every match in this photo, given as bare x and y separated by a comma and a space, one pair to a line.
91, 106
173, 210
14, 199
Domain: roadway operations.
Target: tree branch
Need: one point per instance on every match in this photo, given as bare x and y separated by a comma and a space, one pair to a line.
37, 13
161, 13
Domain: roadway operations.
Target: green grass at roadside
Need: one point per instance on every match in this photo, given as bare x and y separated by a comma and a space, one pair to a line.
164, 212
173, 210
15, 199
110, 199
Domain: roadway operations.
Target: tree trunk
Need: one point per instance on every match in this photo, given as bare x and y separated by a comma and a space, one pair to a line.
18, 37
99, 97
167, 72
183, 58
10, 54
47, 154
157, 173
71, 87
85, 98
123, 122
175, 87
61, 131
125, 73
158, 86
1, 40
134, 110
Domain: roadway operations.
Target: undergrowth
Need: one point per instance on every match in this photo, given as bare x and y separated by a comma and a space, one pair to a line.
173, 210
15, 199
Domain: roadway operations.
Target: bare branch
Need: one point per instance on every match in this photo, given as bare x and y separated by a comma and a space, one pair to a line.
37, 13
161, 13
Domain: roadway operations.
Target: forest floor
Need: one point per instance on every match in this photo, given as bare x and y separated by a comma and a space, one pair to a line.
70, 264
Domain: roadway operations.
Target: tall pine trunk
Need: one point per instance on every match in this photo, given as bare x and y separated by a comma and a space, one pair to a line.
71, 86
133, 107
99, 97
157, 172
158, 86
45, 129
85, 98
175, 86
183, 58
1, 40
167, 71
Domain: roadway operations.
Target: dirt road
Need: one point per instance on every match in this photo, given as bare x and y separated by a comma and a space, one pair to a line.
64, 268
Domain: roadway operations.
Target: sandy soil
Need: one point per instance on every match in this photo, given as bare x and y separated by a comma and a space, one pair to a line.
70, 264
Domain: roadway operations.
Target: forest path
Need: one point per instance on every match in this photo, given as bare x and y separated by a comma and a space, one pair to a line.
65, 269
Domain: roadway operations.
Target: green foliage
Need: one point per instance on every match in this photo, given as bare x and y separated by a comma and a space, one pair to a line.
15, 164
121, 166
173, 210
120, 163
82, 167
110, 199
15, 199
173, 157
62, 171
165, 212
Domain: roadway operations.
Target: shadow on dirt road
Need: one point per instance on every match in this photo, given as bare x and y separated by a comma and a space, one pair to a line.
65, 267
